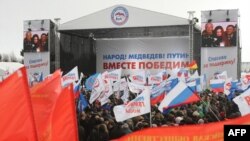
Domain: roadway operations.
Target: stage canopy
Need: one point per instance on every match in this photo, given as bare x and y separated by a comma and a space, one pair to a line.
79, 38
136, 18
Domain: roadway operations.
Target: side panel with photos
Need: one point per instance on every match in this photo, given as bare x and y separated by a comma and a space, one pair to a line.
219, 28
219, 49
36, 36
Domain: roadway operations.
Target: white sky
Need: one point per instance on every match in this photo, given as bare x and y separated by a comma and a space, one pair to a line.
14, 12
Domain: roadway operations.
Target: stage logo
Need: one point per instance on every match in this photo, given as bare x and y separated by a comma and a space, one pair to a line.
119, 15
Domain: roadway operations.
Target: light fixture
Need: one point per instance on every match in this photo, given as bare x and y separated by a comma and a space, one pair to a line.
29, 23
210, 14
228, 19
42, 22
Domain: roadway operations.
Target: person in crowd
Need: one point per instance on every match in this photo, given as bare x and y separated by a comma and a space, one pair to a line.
100, 124
219, 36
208, 36
230, 36
27, 42
35, 43
43, 42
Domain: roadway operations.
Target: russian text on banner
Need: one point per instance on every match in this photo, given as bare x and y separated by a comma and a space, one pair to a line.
206, 132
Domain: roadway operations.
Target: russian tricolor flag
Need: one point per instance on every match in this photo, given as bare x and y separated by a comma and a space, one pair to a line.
217, 85
158, 93
179, 95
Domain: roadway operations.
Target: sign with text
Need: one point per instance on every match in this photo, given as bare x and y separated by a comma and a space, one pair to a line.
37, 65
153, 54
215, 60
236, 132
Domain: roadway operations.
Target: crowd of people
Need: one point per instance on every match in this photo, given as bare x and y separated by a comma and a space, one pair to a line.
34, 43
97, 123
218, 37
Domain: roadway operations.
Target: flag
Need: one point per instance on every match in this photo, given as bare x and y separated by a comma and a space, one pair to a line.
82, 103
245, 82
220, 75
158, 78
98, 87
77, 86
70, 77
243, 102
171, 83
193, 65
114, 75
136, 107
16, 114
157, 93
227, 86
90, 81
106, 93
43, 98
217, 85
41, 77
138, 77
192, 85
179, 95
135, 88
64, 124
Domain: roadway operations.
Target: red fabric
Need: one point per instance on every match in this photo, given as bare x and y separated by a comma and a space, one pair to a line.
16, 115
193, 65
43, 97
157, 99
205, 132
64, 124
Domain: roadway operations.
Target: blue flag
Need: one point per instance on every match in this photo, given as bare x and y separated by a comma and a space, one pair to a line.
90, 81
82, 103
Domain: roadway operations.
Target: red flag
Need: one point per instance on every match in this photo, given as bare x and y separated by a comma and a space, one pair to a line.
193, 65
64, 124
16, 115
43, 97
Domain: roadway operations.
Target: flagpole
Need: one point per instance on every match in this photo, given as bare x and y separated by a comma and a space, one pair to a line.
150, 118
211, 110
150, 113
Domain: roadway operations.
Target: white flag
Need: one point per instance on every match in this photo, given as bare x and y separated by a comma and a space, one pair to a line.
156, 79
136, 107
227, 86
135, 88
114, 75
70, 77
98, 87
243, 102
139, 77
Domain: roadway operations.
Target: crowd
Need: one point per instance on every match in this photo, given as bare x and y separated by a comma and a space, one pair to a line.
97, 123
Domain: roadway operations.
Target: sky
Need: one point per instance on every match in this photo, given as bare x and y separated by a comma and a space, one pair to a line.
14, 12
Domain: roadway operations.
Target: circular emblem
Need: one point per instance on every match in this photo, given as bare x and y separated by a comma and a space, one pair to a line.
119, 15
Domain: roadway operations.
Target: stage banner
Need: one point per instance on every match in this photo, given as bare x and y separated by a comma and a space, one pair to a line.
36, 35
37, 65
204, 132
219, 28
153, 54
218, 60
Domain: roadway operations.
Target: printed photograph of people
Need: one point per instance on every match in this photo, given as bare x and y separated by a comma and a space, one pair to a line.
36, 36
223, 34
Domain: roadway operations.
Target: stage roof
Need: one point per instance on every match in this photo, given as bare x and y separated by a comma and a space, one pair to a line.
135, 17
